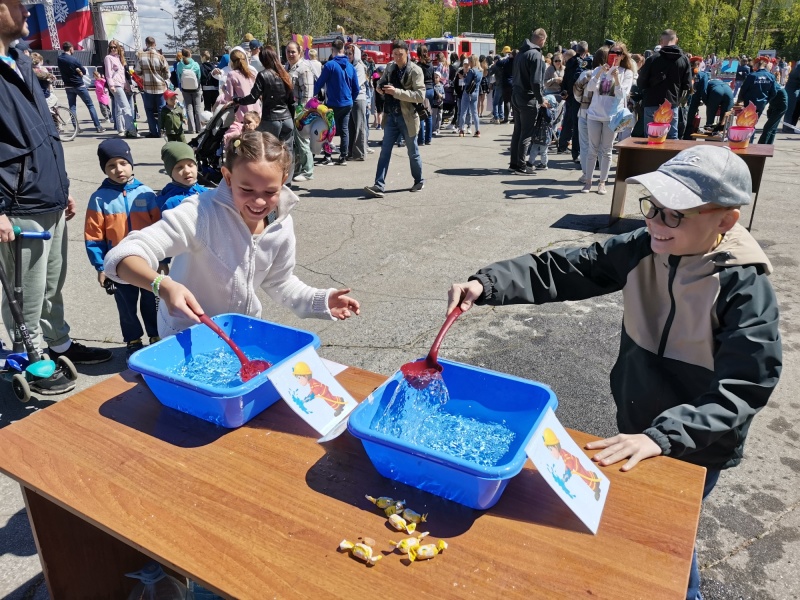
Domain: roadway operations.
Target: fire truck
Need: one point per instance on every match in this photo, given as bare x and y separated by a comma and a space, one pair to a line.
467, 43
374, 50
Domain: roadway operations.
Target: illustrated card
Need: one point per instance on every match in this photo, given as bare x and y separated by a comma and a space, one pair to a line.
574, 477
309, 388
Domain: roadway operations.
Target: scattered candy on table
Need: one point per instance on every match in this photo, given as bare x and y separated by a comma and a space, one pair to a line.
413, 516
384, 501
360, 551
406, 544
426, 551
401, 524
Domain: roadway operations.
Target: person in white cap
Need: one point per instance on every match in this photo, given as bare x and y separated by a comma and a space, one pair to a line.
700, 351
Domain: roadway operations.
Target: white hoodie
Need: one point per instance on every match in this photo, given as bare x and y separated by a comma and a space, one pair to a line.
220, 261
608, 97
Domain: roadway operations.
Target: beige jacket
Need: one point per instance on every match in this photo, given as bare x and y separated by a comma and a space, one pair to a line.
413, 92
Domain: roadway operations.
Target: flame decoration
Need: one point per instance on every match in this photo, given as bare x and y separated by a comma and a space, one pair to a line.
748, 117
664, 114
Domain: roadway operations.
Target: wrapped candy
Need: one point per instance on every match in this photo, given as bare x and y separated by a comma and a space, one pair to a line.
385, 502
406, 544
394, 509
426, 551
401, 524
413, 516
360, 551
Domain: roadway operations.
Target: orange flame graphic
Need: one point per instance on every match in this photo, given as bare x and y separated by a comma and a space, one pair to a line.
664, 114
748, 117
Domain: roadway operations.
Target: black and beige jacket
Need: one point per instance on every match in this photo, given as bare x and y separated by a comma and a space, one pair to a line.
700, 351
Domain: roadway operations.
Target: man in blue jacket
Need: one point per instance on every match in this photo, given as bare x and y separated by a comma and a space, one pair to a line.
30, 148
341, 86
72, 74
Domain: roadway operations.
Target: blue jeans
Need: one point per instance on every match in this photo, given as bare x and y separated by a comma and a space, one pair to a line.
650, 111
152, 108
73, 93
341, 115
497, 104
426, 125
693, 593
469, 104
127, 297
395, 127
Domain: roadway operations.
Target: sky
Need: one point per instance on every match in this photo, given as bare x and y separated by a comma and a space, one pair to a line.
154, 22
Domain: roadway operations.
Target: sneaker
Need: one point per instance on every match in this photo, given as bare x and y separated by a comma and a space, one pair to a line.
133, 346
342, 161
101, 129
301, 177
154, 339
132, 135
57, 383
81, 355
326, 161
526, 170
374, 191
582, 179
601, 188
587, 187
541, 165
370, 151
417, 187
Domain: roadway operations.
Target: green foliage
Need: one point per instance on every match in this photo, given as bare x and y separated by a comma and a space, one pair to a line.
703, 26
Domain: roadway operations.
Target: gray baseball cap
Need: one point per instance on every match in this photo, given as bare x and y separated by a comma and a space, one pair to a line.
699, 175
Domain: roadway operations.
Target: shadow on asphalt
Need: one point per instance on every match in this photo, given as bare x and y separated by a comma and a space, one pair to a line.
16, 537
472, 172
12, 410
538, 192
597, 224
335, 192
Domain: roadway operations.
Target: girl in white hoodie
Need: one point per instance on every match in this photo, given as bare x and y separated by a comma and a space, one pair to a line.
224, 245
610, 85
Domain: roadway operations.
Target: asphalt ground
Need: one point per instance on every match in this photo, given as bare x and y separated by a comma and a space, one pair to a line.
400, 254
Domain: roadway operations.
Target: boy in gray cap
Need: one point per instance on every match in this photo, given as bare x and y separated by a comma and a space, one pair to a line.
700, 351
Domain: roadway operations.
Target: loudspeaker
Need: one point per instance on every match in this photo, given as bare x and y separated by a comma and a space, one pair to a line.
100, 52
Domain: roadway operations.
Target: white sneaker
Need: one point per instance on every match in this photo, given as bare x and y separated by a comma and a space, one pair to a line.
301, 177
582, 179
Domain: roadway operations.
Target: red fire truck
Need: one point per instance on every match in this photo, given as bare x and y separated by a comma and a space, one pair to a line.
467, 43
374, 50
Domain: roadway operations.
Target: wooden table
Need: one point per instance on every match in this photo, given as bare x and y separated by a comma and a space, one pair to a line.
636, 156
111, 479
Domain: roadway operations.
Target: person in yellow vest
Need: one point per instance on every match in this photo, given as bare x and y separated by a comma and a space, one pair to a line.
572, 463
318, 389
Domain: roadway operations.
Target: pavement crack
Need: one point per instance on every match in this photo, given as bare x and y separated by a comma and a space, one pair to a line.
346, 239
771, 527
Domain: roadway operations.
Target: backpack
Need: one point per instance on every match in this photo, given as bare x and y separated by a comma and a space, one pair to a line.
189, 81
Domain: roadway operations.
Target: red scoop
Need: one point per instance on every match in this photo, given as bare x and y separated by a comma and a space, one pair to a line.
250, 368
419, 373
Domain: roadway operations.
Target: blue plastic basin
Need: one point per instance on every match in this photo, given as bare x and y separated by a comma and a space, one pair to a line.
228, 406
479, 393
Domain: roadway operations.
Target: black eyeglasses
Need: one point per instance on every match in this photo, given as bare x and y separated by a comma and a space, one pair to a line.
670, 218
556, 60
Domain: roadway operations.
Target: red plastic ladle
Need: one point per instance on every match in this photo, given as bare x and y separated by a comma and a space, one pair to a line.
250, 368
419, 373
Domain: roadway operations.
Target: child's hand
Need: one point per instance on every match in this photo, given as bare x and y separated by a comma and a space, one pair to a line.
343, 306
101, 278
179, 300
464, 295
635, 448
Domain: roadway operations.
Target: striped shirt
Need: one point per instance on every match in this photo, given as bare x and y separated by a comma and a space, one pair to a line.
152, 68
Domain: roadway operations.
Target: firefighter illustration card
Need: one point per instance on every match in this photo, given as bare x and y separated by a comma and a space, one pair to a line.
312, 392
574, 477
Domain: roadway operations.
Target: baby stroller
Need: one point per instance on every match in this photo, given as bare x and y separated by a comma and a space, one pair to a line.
208, 146
25, 363
448, 106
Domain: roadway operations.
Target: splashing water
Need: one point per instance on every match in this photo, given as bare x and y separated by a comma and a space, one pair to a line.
417, 416
219, 368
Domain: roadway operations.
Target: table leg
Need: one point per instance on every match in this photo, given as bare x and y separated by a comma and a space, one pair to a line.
617, 201
79, 560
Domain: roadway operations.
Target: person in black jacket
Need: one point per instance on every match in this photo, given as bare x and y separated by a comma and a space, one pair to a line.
273, 86
569, 126
666, 75
793, 92
72, 74
34, 195
526, 96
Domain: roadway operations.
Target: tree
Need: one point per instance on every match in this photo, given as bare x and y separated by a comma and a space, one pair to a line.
245, 16
199, 25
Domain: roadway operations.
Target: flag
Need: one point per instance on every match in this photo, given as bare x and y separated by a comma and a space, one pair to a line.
450, 3
479, 2
465, 2
73, 20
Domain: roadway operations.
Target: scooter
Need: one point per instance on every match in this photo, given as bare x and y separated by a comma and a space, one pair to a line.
25, 363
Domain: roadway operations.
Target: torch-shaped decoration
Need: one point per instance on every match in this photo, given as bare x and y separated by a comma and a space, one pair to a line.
662, 120
739, 135
748, 117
